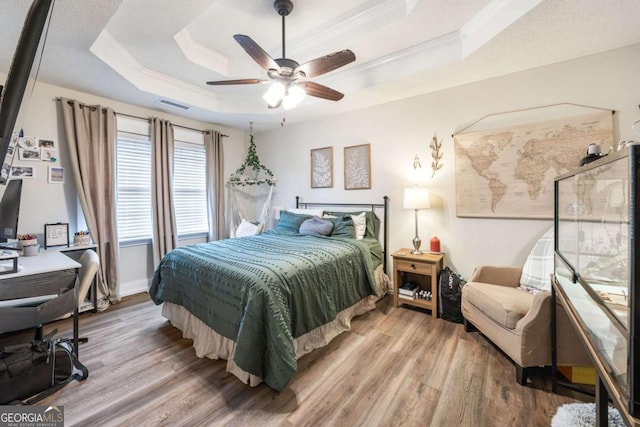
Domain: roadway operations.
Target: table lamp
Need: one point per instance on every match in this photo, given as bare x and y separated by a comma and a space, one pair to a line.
416, 198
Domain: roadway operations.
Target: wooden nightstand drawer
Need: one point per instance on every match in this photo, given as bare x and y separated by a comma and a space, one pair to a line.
414, 267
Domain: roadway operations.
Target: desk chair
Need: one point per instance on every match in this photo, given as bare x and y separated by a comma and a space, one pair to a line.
90, 263
63, 305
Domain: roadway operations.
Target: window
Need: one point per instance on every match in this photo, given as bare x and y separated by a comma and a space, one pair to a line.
190, 187
133, 175
133, 181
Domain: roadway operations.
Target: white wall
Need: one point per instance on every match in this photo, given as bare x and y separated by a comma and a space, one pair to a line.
45, 203
399, 130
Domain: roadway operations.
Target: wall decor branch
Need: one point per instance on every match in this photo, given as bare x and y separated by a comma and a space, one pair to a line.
436, 155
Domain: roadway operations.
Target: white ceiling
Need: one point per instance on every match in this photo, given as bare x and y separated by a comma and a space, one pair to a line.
142, 51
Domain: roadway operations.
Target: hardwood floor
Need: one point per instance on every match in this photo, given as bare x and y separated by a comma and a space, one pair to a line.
395, 367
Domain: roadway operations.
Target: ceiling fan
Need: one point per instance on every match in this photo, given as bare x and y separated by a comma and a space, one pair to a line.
288, 77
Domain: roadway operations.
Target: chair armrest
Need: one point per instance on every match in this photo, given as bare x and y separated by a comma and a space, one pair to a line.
494, 275
535, 327
540, 311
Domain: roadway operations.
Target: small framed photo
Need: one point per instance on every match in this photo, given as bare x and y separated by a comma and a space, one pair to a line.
46, 143
322, 167
56, 175
357, 167
56, 235
47, 155
22, 172
29, 154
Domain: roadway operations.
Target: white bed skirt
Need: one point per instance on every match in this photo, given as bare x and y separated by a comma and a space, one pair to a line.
208, 343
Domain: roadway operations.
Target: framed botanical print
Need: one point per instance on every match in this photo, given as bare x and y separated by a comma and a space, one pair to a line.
322, 167
357, 167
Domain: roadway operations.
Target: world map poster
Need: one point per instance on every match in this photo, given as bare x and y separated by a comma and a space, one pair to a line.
509, 173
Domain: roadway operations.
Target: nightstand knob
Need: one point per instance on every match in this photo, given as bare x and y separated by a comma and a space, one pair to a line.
413, 266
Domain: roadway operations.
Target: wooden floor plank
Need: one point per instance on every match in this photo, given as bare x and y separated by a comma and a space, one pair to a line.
397, 366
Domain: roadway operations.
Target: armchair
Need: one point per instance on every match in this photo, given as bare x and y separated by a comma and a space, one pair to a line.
516, 321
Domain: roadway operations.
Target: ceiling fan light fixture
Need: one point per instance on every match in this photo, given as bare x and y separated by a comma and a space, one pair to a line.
275, 93
296, 93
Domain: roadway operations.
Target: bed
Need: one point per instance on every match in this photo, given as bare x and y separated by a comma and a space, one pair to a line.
261, 302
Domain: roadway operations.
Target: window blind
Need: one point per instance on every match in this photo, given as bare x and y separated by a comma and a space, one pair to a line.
189, 188
133, 180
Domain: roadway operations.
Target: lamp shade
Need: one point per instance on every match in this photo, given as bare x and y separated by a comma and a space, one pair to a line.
416, 198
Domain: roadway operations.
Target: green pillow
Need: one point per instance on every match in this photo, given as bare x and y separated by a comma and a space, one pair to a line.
290, 221
373, 222
343, 227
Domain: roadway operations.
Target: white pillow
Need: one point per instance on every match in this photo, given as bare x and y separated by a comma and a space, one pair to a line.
539, 265
312, 212
246, 229
360, 224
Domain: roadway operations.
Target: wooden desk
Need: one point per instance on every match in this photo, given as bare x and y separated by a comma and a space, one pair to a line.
44, 274
422, 269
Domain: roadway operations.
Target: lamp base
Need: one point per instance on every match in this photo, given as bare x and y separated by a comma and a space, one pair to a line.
416, 246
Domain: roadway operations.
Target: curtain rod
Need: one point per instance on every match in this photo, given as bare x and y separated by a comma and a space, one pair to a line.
141, 118
180, 126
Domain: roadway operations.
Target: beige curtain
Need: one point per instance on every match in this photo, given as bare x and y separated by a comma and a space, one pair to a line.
215, 184
91, 140
165, 235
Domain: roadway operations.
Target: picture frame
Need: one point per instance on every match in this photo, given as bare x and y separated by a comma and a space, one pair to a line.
56, 234
47, 155
55, 175
321, 167
22, 172
46, 143
5, 171
357, 167
28, 154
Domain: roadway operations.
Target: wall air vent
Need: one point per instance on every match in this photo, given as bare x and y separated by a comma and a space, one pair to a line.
172, 104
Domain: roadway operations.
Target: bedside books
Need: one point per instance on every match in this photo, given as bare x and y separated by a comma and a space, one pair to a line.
408, 290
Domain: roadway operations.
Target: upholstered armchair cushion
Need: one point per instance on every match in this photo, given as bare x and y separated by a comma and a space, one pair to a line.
504, 304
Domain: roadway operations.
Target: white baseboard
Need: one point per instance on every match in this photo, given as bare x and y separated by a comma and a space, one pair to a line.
134, 287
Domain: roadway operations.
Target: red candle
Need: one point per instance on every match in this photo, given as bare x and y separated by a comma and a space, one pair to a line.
435, 244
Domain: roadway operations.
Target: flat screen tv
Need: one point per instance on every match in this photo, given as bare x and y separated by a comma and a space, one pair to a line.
18, 75
10, 210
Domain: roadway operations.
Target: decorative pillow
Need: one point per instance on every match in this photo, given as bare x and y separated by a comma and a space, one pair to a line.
373, 222
246, 228
360, 224
539, 265
342, 227
310, 212
316, 225
291, 221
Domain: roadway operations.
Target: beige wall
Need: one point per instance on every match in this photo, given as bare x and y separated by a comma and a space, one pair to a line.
399, 130
44, 203
396, 132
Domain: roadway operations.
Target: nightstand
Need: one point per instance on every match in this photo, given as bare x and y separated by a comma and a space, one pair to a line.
421, 269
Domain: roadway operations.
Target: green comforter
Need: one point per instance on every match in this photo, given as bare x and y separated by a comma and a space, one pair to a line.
264, 291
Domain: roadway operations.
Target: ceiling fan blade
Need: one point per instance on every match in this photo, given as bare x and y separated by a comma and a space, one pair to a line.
320, 91
236, 82
256, 52
324, 64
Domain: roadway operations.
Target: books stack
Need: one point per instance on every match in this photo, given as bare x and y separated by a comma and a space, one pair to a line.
408, 290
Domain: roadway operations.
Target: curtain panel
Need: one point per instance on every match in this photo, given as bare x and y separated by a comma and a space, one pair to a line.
165, 235
215, 184
91, 140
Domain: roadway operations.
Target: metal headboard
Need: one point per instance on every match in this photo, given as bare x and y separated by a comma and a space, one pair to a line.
363, 206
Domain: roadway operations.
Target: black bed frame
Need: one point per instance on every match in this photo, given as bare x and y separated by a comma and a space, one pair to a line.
363, 206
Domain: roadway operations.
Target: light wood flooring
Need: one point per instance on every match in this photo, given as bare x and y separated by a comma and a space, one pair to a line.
396, 367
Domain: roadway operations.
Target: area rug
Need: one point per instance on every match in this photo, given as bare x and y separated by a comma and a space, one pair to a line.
583, 415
